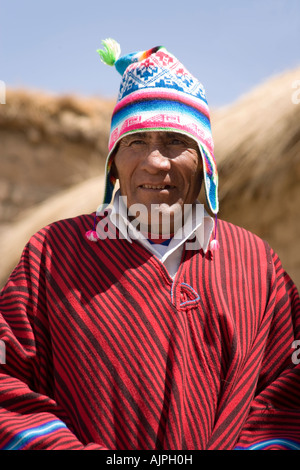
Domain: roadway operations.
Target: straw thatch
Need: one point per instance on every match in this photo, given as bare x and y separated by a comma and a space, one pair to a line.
83, 198
257, 145
48, 143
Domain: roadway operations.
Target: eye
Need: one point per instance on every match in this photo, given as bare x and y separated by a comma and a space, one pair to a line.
177, 141
137, 142
182, 141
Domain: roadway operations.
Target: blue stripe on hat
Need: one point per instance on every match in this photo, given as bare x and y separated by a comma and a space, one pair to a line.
160, 105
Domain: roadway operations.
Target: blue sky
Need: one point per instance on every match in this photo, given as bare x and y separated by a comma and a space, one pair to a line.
231, 46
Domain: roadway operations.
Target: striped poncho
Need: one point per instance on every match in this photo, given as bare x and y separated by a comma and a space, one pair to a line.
104, 350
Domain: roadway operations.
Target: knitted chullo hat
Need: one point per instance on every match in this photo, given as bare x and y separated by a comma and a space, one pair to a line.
158, 93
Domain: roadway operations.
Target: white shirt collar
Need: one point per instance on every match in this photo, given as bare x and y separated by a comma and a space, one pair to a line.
196, 231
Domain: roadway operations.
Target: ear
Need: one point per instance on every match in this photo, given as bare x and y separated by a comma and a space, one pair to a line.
114, 171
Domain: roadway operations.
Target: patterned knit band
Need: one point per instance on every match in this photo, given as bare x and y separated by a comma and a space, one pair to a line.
158, 93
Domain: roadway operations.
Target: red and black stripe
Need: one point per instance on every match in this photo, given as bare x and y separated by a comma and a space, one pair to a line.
104, 348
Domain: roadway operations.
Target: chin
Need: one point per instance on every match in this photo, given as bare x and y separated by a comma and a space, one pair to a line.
165, 217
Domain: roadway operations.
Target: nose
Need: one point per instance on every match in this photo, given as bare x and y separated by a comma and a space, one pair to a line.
156, 160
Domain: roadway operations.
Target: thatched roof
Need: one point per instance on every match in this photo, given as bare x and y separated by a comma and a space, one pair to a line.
51, 116
83, 198
257, 146
257, 139
48, 143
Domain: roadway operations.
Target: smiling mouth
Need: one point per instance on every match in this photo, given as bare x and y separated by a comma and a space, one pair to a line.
157, 187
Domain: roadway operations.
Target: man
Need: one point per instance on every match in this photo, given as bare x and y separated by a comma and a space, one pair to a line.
158, 329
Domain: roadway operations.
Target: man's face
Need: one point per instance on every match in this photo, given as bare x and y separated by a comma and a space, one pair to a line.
159, 168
